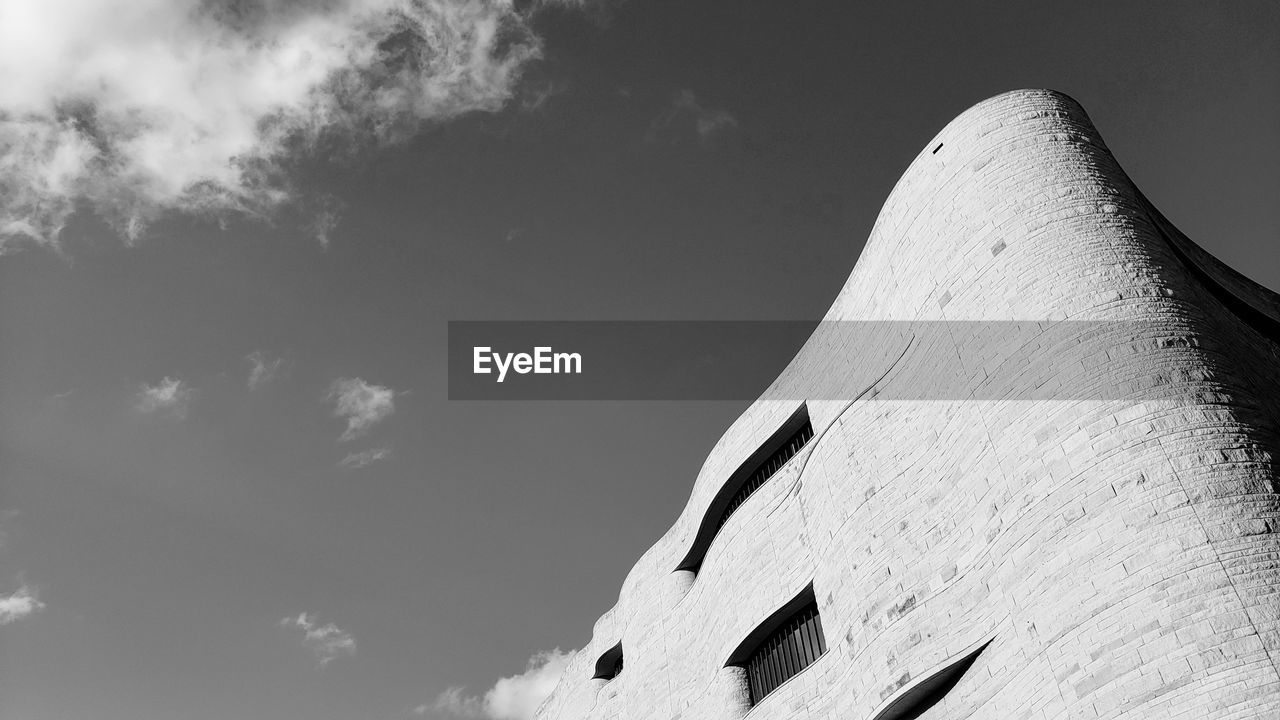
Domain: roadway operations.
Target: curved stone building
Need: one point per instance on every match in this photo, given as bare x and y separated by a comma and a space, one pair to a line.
1057, 554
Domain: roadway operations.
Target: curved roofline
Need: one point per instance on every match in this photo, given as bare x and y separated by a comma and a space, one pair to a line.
681, 541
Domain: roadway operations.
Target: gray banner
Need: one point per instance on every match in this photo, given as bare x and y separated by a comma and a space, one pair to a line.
743, 360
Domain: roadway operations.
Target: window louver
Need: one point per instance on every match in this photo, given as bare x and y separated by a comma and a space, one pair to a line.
771, 465
770, 457
785, 652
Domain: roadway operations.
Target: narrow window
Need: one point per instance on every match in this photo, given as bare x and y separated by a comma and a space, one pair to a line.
609, 665
916, 699
764, 463
772, 464
935, 150
783, 645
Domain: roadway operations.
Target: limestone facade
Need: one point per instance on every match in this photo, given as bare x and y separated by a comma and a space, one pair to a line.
1112, 557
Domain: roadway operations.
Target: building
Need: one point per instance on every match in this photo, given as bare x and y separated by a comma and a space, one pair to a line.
1063, 553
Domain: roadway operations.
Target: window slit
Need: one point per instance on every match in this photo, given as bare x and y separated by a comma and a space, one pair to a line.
767, 469
793, 644
609, 665
915, 700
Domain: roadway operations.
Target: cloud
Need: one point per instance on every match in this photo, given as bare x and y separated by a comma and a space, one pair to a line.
365, 458
510, 698
19, 605
168, 396
264, 368
687, 112
362, 405
454, 702
138, 108
327, 642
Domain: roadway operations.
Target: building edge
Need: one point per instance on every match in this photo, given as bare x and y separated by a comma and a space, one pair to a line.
1016, 210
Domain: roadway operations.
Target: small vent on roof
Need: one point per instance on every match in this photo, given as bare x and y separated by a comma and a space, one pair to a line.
935, 150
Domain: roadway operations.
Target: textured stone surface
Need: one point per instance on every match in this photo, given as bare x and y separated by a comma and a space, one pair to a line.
1123, 553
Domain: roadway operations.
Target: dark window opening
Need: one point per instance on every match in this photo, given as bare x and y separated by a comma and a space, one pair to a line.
935, 150
788, 642
924, 695
766, 470
764, 463
609, 665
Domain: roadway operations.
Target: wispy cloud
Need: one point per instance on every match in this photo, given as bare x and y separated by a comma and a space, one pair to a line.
536, 96
327, 642
263, 368
169, 396
19, 605
136, 108
686, 113
361, 404
511, 698
365, 458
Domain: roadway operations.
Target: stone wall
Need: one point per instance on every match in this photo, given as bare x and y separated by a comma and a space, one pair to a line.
1120, 553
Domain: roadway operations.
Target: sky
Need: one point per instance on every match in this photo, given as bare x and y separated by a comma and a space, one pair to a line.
232, 485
